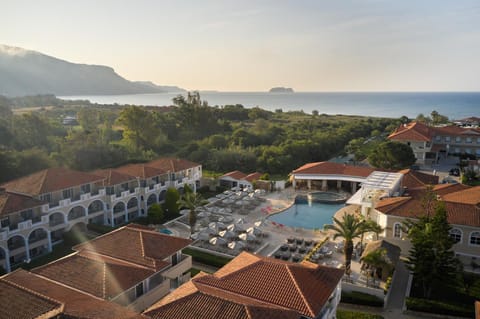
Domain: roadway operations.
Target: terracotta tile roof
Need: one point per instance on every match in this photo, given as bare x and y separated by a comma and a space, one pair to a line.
304, 288
20, 303
114, 177
12, 202
50, 180
413, 131
458, 212
171, 164
467, 196
253, 177
235, 175
454, 130
414, 179
137, 245
329, 168
100, 276
443, 189
140, 170
192, 301
77, 304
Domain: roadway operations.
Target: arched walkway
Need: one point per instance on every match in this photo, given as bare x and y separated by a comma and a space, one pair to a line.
132, 207
56, 218
95, 207
76, 212
152, 199
38, 242
17, 249
4, 262
161, 197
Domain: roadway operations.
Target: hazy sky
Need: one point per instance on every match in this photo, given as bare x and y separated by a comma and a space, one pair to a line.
331, 45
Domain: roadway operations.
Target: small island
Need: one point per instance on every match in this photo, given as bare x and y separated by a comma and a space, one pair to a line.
281, 90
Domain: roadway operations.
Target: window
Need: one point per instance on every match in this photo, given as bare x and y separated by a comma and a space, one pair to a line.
447, 139
110, 190
458, 139
457, 150
438, 138
139, 289
5, 222
475, 238
468, 151
456, 235
478, 151
397, 230
85, 188
478, 140
468, 140
46, 197
124, 187
68, 193
27, 214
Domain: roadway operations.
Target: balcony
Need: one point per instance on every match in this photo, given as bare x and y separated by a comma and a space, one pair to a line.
183, 265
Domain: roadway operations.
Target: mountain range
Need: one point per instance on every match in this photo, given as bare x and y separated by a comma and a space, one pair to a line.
25, 72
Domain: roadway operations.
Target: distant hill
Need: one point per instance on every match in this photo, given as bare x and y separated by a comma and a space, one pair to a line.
281, 90
24, 72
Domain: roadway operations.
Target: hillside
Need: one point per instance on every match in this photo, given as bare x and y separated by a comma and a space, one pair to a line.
24, 72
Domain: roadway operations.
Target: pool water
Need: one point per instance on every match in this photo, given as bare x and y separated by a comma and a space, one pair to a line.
166, 231
304, 215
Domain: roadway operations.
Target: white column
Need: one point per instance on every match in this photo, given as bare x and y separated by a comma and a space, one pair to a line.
294, 183
7, 261
49, 236
309, 184
339, 185
27, 249
324, 185
354, 187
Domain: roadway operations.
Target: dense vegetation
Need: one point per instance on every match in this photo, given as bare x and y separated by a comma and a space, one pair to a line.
221, 138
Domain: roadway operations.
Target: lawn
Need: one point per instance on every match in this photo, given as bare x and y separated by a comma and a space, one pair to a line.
345, 314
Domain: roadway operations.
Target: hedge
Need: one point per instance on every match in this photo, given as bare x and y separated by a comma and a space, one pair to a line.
345, 314
206, 258
435, 306
100, 229
360, 298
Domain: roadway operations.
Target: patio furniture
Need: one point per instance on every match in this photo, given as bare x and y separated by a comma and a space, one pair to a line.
286, 255
292, 247
299, 241
284, 247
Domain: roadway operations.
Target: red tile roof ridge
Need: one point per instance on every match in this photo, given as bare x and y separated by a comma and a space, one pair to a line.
104, 281
300, 292
30, 291
64, 285
105, 258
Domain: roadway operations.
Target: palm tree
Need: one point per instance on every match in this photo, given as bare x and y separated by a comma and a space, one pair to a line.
349, 228
369, 226
191, 201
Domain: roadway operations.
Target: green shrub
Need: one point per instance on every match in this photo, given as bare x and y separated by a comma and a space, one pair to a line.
206, 258
345, 314
361, 298
435, 306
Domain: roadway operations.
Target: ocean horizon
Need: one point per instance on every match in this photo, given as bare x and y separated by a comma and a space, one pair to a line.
455, 105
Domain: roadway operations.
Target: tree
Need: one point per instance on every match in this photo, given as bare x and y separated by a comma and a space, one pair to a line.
140, 128
438, 118
171, 207
349, 228
155, 214
377, 259
392, 155
191, 201
431, 258
367, 227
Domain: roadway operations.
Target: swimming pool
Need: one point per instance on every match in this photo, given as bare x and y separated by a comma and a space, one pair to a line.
306, 215
166, 231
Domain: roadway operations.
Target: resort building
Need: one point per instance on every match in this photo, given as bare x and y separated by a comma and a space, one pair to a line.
37, 209
429, 144
133, 266
28, 295
238, 179
328, 175
252, 286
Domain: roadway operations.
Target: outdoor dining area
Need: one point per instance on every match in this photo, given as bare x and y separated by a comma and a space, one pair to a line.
294, 249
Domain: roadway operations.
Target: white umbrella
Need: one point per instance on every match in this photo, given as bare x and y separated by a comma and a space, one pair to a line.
217, 241
254, 230
213, 225
259, 223
247, 237
227, 234
236, 228
203, 236
228, 210
240, 221
236, 245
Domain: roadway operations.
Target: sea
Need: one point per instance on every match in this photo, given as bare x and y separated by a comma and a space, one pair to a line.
455, 105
